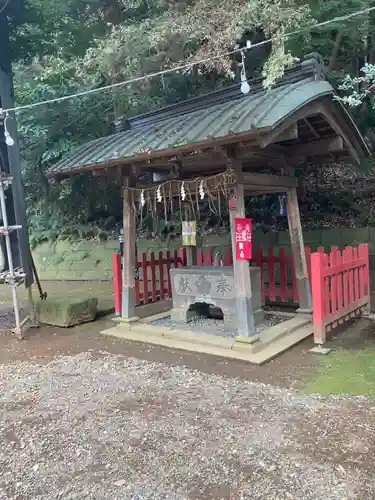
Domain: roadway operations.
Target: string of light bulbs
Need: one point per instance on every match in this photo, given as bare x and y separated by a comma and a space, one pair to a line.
245, 87
9, 141
183, 67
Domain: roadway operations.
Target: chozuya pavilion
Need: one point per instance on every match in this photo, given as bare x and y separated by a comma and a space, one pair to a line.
238, 145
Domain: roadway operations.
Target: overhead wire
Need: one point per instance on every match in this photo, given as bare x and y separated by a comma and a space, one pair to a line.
186, 66
5, 6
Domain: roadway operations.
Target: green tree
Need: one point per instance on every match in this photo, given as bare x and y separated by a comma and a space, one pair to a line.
65, 47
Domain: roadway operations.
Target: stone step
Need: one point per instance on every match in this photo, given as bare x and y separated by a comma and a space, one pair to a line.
274, 333
269, 351
183, 335
282, 344
66, 311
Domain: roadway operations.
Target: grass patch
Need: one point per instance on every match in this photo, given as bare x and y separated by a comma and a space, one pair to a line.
344, 372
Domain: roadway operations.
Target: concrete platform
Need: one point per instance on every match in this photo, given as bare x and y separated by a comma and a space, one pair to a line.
273, 342
318, 349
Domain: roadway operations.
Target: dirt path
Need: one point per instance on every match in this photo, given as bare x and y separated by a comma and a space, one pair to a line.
46, 343
89, 417
99, 426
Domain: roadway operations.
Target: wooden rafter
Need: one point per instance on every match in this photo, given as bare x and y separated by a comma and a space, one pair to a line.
319, 147
265, 181
311, 128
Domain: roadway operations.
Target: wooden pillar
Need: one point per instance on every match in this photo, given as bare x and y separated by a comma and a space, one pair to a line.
298, 251
129, 258
191, 252
242, 280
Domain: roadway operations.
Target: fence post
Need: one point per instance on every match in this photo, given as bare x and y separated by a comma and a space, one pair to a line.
228, 257
200, 257
283, 276
308, 261
182, 254
117, 282
317, 291
144, 277
207, 257
363, 253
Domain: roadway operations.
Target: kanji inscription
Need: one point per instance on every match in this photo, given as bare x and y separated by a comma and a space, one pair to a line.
220, 286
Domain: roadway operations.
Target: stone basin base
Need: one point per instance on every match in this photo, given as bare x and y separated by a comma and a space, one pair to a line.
195, 288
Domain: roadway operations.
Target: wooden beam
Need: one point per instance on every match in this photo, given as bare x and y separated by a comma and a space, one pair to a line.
118, 176
129, 258
298, 251
328, 114
287, 135
268, 180
309, 110
288, 130
241, 271
252, 182
320, 147
311, 128
348, 130
175, 184
258, 191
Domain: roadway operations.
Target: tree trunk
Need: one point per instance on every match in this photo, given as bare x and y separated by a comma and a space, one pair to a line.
112, 11
335, 50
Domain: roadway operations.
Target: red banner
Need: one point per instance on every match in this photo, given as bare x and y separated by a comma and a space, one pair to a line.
243, 228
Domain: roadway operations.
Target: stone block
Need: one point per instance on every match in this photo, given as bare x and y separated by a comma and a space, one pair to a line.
313, 238
67, 311
320, 350
214, 286
372, 240
111, 245
265, 240
331, 238
355, 236
216, 240
43, 249
283, 238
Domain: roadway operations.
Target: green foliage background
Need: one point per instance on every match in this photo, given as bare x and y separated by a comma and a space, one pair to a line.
64, 47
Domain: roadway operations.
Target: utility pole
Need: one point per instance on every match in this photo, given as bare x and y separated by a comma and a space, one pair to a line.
17, 259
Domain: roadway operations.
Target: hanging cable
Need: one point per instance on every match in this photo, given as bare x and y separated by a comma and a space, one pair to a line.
9, 141
245, 87
189, 65
5, 6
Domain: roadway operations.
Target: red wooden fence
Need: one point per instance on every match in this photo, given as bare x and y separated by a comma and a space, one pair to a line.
277, 274
153, 281
340, 287
278, 279
209, 257
117, 282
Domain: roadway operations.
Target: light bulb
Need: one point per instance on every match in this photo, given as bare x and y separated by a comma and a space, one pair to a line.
158, 195
245, 87
9, 139
201, 190
183, 192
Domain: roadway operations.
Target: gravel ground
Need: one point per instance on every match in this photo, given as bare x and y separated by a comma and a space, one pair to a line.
7, 318
210, 326
103, 426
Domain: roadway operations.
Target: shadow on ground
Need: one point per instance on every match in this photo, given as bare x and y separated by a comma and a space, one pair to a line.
348, 369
